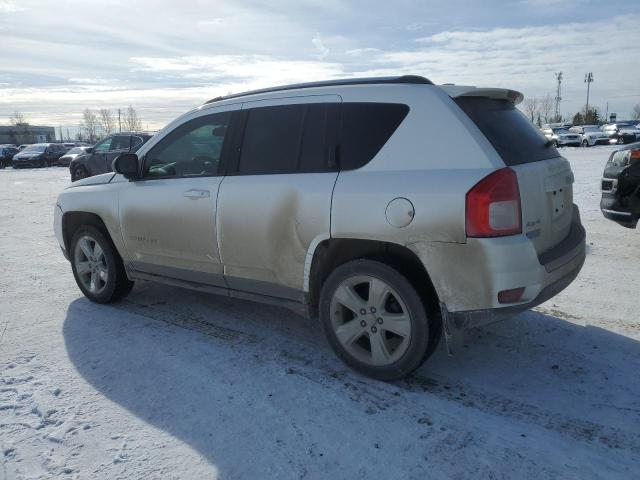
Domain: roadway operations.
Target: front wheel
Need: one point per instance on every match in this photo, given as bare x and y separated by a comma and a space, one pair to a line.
375, 321
97, 267
585, 143
78, 173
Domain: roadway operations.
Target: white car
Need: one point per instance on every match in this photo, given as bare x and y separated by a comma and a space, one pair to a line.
561, 136
591, 135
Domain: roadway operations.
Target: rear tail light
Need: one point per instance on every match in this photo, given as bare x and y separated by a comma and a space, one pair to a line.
493, 206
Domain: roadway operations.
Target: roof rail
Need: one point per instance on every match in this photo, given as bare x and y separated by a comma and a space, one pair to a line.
416, 79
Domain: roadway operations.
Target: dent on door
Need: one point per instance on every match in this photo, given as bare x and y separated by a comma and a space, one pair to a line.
266, 224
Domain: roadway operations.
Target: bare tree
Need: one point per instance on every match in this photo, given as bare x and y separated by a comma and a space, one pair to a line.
17, 119
130, 120
531, 108
90, 125
635, 113
107, 122
546, 107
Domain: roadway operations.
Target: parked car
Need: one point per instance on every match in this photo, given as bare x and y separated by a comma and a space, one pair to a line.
22, 147
6, 154
98, 159
622, 132
590, 135
332, 199
65, 160
39, 155
620, 200
561, 136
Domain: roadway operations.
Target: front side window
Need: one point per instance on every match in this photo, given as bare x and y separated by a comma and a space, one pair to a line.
120, 143
103, 146
192, 149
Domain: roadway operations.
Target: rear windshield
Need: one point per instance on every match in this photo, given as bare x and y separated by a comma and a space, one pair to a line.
513, 136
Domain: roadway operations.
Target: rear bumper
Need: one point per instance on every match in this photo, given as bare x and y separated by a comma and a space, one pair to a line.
468, 277
475, 318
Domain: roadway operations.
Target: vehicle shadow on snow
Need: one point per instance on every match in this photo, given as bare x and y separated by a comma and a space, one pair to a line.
197, 366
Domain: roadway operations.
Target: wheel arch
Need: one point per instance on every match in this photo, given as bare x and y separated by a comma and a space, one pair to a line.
330, 253
73, 220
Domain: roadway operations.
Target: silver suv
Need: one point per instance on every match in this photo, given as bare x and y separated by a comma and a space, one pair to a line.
340, 200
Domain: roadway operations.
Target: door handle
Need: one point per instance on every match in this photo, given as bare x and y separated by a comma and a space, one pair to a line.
194, 193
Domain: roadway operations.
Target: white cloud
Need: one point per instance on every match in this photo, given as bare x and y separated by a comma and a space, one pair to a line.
358, 52
323, 51
10, 6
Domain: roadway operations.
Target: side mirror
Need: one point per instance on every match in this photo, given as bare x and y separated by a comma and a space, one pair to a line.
127, 166
89, 150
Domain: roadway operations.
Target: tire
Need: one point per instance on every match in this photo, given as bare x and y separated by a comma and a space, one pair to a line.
78, 173
584, 143
94, 257
397, 353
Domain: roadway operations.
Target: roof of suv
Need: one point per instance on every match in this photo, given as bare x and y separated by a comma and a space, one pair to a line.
415, 79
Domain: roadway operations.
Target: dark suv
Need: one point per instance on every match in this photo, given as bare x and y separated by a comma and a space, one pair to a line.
98, 158
621, 186
39, 155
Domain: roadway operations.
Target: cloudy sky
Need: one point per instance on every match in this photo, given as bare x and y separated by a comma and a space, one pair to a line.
164, 57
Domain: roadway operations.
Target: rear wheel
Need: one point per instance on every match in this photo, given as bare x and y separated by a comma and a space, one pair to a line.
375, 320
97, 266
78, 173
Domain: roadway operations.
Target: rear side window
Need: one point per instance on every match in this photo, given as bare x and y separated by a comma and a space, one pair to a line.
286, 139
513, 136
366, 127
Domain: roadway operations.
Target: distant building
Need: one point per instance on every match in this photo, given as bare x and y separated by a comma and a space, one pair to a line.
25, 133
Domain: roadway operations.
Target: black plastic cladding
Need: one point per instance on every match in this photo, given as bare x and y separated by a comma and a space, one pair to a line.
416, 79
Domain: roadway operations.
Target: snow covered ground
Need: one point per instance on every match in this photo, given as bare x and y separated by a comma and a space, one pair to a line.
177, 384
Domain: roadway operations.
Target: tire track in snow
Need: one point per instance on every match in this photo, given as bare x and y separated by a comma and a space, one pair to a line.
379, 396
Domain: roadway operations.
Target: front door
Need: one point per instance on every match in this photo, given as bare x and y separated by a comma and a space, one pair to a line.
168, 218
97, 159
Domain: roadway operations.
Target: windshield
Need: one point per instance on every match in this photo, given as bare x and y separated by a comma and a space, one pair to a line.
591, 129
75, 150
561, 130
34, 148
513, 136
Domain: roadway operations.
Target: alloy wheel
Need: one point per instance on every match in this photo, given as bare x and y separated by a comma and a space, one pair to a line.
370, 320
91, 264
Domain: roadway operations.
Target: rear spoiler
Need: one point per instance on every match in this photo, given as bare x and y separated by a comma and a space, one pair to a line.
455, 91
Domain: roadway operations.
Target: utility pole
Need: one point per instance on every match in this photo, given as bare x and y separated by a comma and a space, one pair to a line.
119, 122
61, 136
558, 96
588, 78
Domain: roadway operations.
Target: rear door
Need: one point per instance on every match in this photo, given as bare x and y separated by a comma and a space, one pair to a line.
277, 199
545, 178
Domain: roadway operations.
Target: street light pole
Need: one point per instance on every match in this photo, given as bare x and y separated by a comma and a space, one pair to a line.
588, 78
